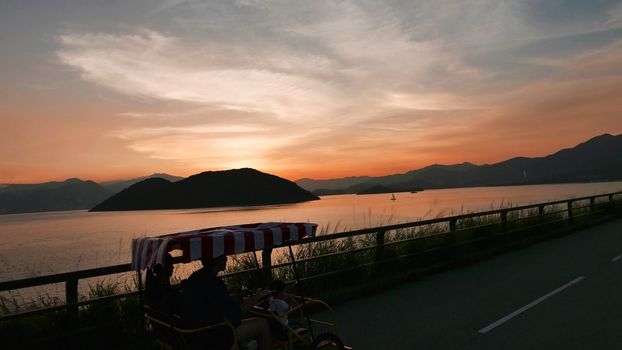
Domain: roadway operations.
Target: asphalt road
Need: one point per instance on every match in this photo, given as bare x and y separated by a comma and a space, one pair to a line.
564, 293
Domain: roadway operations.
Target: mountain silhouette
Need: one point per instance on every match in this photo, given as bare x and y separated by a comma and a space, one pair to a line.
332, 184
379, 189
598, 159
119, 185
72, 194
238, 187
51, 196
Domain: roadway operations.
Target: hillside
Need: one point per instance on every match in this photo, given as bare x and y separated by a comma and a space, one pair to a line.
51, 196
598, 159
119, 185
72, 194
331, 184
238, 187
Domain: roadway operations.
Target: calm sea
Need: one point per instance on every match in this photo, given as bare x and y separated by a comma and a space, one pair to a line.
44, 243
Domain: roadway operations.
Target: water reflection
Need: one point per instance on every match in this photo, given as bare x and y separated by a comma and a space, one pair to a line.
43, 243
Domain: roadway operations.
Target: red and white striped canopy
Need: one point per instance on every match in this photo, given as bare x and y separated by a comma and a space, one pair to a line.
216, 241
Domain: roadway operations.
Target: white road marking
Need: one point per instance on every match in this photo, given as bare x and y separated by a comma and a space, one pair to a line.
528, 306
616, 258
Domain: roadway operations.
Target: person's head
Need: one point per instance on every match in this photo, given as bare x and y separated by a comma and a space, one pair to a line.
215, 264
277, 288
165, 270
168, 264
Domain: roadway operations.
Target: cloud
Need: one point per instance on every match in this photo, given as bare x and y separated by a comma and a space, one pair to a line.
210, 147
195, 129
338, 57
286, 84
576, 102
152, 65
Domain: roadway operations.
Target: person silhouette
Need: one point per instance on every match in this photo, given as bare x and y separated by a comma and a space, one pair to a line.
278, 300
206, 301
159, 293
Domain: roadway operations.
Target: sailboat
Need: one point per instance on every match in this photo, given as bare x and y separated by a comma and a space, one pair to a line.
393, 196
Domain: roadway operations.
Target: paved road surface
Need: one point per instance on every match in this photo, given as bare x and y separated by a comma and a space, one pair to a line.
564, 293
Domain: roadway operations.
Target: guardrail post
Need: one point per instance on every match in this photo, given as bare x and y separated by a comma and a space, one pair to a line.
452, 225
453, 237
570, 211
611, 203
266, 261
592, 206
71, 299
504, 220
541, 213
380, 245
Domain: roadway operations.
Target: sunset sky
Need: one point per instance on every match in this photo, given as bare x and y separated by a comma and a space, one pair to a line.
107, 90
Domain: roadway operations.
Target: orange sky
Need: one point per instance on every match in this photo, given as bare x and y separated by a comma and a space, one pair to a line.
313, 89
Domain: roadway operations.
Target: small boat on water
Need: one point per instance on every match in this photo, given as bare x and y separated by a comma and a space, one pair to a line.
393, 196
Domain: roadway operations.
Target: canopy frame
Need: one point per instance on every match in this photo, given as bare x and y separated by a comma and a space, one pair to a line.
147, 252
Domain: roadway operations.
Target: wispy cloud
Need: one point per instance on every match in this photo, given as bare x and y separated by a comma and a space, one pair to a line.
332, 82
152, 65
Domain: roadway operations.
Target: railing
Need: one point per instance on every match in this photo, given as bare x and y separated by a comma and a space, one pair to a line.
70, 279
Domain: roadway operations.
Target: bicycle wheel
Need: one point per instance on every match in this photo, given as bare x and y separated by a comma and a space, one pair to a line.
326, 341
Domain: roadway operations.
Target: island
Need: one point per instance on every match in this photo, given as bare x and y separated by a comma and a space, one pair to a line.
237, 187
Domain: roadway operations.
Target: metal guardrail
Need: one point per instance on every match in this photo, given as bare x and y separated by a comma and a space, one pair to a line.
71, 278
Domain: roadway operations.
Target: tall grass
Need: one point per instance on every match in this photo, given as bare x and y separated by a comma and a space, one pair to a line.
111, 324
321, 258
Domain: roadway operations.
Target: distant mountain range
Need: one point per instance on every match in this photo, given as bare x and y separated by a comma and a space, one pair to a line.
71, 194
599, 159
238, 187
50, 196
